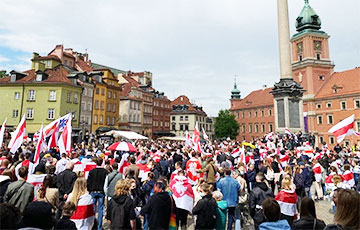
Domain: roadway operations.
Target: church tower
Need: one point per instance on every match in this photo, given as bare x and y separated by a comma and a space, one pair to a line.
311, 64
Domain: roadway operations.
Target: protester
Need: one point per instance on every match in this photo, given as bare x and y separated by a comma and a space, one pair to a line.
37, 215
271, 212
48, 194
308, 218
9, 216
111, 180
221, 211
65, 222
120, 211
287, 199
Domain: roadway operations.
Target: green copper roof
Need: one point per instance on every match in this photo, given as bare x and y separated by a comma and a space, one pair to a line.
308, 19
235, 93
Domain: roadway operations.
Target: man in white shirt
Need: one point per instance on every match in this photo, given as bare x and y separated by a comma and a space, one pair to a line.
61, 164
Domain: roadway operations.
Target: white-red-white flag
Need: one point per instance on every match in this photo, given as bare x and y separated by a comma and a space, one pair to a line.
54, 137
39, 146
196, 139
183, 193
287, 131
192, 165
2, 131
206, 137
84, 215
317, 172
65, 138
344, 128
188, 142
17, 137
61, 122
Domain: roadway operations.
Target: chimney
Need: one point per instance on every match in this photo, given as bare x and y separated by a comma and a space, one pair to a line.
264, 87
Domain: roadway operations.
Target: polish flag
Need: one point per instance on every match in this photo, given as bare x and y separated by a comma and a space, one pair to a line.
84, 215
206, 137
2, 131
348, 178
344, 128
287, 201
191, 166
317, 171
182, 193
196, 139
39, 146
65, 138
61, 122
17, 137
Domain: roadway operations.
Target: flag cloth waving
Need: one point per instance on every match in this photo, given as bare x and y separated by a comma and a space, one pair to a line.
17, 137
196, 139
182, 193
39, 146
65, 138
2, 131
344, 128
206, 137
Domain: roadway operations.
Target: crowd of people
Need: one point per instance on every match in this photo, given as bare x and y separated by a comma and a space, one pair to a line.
271, 183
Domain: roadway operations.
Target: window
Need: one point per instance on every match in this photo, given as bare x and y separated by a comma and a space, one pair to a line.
270, 112
181, 127
262, 113
256, 128
270, 127
173, 118
103, 92
358, 126
331, 140
51, 114
321, 77
173, 126
114, 95
330, 119
96, 104
102, 105
243, 114
319, 120
76, 98
15, 113
30, 113
347, 143
68, 98
108, 107
318, 56
357, 104
89, 106
243, 128
82, 118
321, 140
107, 120
95, 119
114, 108
17, 95
113, 121
249, 113
73, 115
263, 128
109, 94
31, 95
101, 119
318, 106
328, 105
97, 90
181, 119
343, 105
65, 62
186, 118
250, 128
52, 95
85, 92
255, 113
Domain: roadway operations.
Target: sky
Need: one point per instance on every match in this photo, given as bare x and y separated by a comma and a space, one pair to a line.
192, 47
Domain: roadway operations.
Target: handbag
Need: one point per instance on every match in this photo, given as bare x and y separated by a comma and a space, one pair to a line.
172, 222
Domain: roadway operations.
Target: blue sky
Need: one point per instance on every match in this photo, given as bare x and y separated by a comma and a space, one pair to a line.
191, 47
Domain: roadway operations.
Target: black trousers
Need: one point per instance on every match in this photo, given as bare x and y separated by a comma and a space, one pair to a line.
181, 217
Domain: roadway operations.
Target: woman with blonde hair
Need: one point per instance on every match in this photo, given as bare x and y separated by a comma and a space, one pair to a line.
84, 215
120, 211
347, 214
287, 200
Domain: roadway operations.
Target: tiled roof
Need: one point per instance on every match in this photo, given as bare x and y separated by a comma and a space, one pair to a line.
53, 57
184, 100
55, 75
113, 70
257, 98
346, 82
82, 65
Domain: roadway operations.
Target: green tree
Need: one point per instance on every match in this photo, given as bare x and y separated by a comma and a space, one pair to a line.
226, 125
3, 73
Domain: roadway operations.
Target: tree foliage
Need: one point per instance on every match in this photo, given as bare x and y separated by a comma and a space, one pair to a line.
3, 73
226, 125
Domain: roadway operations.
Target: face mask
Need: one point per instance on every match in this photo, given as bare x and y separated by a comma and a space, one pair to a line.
202, 194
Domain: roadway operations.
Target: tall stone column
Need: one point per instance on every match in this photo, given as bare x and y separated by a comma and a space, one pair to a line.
288, 104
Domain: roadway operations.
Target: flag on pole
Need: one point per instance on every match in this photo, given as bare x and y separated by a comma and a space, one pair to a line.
287, 131
39, 145
206, 137
53, 140
2, 131
60, 123
65, 138
17, 137
196, 139
188, 142
344, 128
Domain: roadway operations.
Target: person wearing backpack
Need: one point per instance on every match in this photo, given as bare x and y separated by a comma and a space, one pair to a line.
120, 211
299, 183
221, 211
111, 180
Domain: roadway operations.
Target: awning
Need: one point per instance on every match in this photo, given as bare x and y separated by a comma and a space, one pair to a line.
126, 134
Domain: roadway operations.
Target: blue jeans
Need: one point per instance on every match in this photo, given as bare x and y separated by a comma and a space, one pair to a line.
98, 200
231, 217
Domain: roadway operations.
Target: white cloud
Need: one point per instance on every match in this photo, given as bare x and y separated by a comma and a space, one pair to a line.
192, 47
4, 59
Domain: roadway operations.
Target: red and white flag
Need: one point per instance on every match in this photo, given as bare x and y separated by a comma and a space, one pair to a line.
287, 201
206, 137
317, 172
2, 131
344, 128
61, 122
182, 193
188, 142
65, 138
123, 163
84, 215
348, 179
143, 171
191, 166
36, 180
17, 137
54, 137
88, 167
196, 139
78, 166
284, 159
39, 146
287, 131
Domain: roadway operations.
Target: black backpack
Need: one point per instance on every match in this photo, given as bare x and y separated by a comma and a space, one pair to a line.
118, 214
